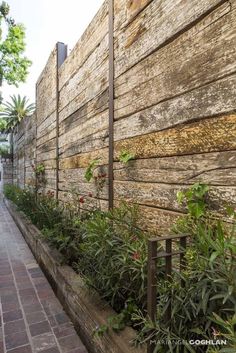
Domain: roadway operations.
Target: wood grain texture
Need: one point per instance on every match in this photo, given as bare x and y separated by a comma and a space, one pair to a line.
89, 143
153, 27
94, 69
194, 59
208, 135
46, 90
84, 127
70, 116
218, 168
212, 99
165, 195
83, 160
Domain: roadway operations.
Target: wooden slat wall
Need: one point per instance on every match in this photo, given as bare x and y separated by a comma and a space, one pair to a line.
46, 102
24, 138
83, 114
30, 149
174, 107
175, 79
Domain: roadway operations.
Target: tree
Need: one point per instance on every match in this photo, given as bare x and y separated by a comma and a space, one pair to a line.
13, 64
13, 112
3, 125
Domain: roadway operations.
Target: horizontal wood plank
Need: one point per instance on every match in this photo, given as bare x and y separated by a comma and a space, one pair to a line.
218, 168
180, 66
208, 135
154, 26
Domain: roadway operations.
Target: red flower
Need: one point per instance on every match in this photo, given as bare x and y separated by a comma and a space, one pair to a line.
136, 256
81, 199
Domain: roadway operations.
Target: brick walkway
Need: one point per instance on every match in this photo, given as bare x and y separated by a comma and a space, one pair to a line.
31, 318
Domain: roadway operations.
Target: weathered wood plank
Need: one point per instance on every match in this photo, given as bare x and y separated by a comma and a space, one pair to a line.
68, 198
47, 125
208, 135
89, 92
46, 90
75, 175
83, 160
154, 26
85, 127
71, 115
164, 195
86, 144
218, 168
48, 146
95, 70
44, 156
125, 11
212, 99
83, 189
180, 66
46, 138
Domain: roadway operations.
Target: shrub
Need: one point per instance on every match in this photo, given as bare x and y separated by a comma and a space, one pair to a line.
209, 289
111, 246
109, 250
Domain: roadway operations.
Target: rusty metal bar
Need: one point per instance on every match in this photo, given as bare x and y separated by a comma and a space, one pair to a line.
172, 237
164, 254
182, 261
111, 103
153, 255
168, 271
61, 52
151, 285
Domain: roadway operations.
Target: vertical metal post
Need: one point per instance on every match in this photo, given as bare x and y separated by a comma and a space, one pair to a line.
151, 286
182, 245
61, 52
168, 273
111, 102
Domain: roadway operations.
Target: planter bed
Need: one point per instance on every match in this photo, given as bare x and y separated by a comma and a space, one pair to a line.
84, 306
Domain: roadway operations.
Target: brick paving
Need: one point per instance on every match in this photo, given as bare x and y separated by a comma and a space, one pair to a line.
31, 318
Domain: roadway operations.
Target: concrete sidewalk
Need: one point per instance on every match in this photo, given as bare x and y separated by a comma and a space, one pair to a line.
31, 318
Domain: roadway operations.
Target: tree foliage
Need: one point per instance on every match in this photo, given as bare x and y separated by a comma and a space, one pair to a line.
13, 112
13, 64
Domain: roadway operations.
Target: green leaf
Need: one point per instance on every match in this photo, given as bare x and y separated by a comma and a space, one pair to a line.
126, 156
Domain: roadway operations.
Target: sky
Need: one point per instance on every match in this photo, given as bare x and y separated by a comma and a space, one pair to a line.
48, 22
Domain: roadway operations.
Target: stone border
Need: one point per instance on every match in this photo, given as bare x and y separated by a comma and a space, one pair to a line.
84, 306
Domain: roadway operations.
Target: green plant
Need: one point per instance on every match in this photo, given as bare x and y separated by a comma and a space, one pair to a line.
109, 250
40, 180
90, 169
3, 124
95, 173
4, 150
16, 110
195, 199
226, 330
13, 65
126, 156
110, 246
209, 282
39, 169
